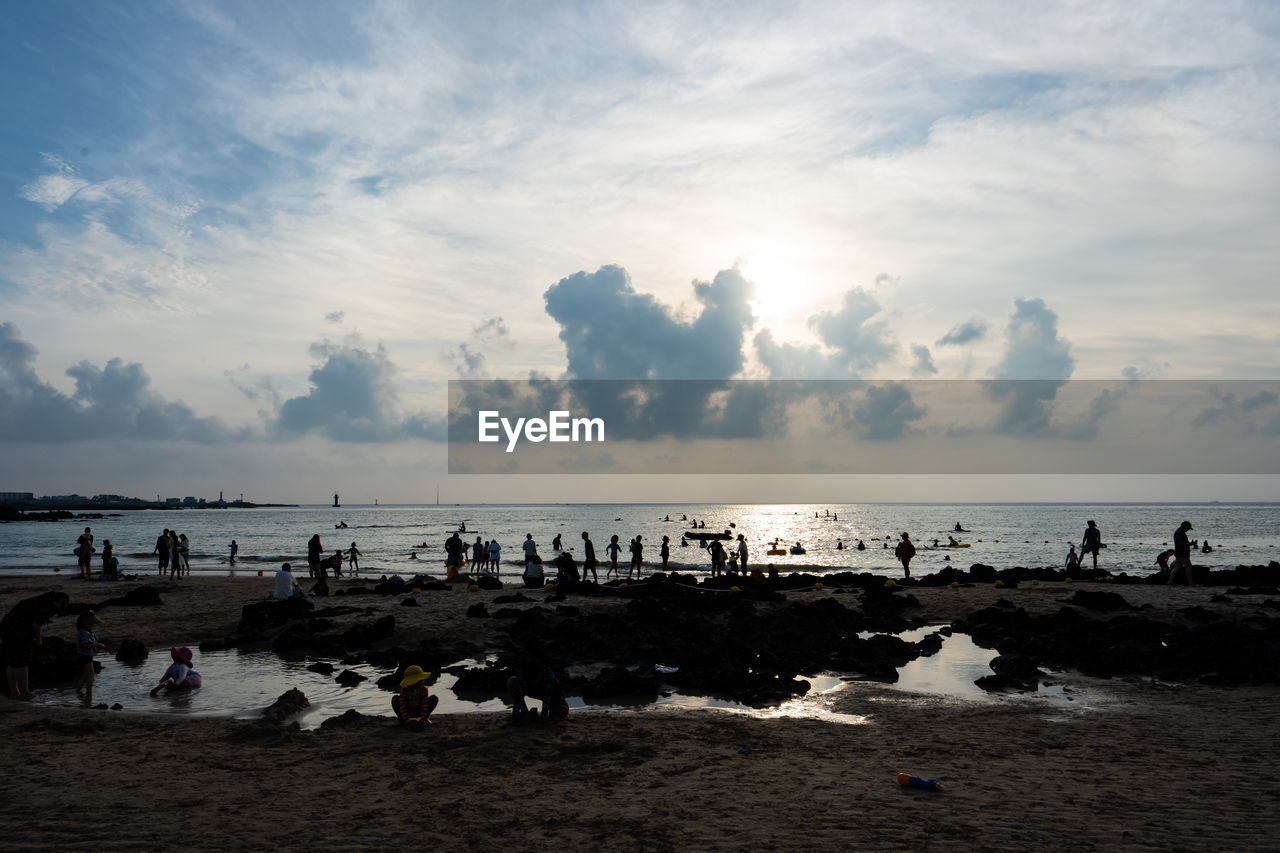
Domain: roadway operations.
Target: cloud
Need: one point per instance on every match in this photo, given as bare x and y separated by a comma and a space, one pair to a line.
1040, 359
353, 398
853, 339
964, 333
883, 412
612, 331
494, 327
113, 401
923, 365
335, 316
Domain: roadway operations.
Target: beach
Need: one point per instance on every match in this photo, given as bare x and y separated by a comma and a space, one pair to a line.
1137, 763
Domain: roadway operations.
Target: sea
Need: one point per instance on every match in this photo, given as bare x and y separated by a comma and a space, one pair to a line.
408, 539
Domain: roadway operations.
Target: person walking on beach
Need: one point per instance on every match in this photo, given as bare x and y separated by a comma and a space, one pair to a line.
314, 550
84, 551
1181, 555
589, 561
162, 550
235, 549
904, 551
612, 549
353, 559
184, 551
1091, 543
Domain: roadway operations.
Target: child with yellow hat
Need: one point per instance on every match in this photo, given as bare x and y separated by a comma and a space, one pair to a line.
413, 706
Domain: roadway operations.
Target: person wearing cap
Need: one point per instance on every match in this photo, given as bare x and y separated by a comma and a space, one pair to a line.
904, 551
413, 705
179, 675
1181, 554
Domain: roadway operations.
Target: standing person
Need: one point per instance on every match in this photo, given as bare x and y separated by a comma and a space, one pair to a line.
235, 549
716, 550
184, 550
530, 550
742, 552
637, 557
20, 630
589, 561
556, 544
452, 555
484, 557
904, 551
314, 550
175, 555
87, 646
495, 556
479, 555
162, 550
612, 549
665, 551
1091, 543
353, 559
106, 554
1182, 554
84, 551
336, 563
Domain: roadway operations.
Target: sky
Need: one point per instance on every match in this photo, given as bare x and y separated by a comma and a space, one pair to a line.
244, 247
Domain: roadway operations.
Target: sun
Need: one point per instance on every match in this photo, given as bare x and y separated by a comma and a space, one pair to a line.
777, 271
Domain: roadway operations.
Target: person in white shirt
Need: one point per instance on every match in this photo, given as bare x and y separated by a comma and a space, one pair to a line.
286, 584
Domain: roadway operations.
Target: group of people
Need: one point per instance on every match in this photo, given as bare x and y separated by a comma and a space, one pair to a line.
173, 552
84, 552
319, 566
22, 632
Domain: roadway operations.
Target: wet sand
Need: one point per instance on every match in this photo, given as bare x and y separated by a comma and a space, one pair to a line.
1129, 765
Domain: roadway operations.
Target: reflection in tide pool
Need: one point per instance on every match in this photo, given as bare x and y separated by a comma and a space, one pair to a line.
241, 685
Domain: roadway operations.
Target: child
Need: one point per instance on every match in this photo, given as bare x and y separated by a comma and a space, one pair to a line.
87, 646
353, 559
414, 705
1073, 560
235, 549
180, 675
612, 549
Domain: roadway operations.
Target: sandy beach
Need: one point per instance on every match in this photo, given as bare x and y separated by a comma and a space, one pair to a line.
1142, 765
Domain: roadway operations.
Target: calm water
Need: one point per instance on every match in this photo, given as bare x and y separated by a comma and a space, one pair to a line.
1002, 535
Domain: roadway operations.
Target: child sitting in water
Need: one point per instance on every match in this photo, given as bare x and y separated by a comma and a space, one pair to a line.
413, 706
1073, 559
180, 675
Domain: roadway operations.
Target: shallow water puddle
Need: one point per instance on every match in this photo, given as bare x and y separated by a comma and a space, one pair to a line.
241, 685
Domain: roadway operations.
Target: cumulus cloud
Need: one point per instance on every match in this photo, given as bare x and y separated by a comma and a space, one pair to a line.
1040, 359
922, 365
612, 331
854, 339
113, 401
353, 397
964, 333
881, 413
